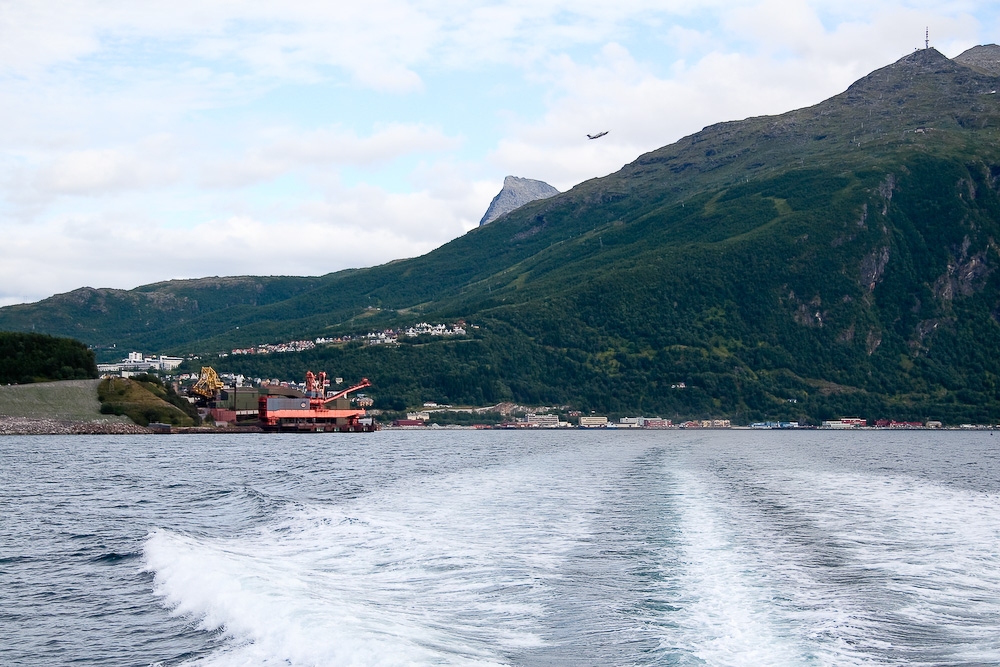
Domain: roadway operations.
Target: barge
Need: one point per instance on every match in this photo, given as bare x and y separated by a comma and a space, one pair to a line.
291, 411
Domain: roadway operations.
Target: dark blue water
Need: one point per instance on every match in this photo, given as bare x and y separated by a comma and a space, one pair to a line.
510, 548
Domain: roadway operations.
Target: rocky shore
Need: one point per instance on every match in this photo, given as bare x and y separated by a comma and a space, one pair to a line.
27, 426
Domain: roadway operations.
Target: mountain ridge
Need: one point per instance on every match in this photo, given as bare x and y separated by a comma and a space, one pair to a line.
839, 258
985, 57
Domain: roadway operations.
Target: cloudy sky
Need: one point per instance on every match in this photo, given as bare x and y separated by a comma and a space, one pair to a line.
144, 141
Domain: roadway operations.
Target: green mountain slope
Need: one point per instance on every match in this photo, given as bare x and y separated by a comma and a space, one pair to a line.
108, 316
838, 259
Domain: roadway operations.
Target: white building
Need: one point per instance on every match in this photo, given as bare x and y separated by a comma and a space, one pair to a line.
137, 363
542, 421
850, 422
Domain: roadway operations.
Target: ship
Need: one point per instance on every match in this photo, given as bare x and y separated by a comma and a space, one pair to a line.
289, 410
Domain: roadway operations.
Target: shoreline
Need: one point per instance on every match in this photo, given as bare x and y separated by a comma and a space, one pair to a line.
33, 426
10, 425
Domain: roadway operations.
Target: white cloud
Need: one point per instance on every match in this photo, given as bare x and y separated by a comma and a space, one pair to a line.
125, 247
376, 130
33, 36
104, 170
789, 59
337, 146
286, 150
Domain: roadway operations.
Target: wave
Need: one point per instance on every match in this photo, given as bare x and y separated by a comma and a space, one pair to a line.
113, 557
631, 554
11, 560
792, 567
447, 569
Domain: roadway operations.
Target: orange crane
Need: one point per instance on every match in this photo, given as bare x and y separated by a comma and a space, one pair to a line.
314, 412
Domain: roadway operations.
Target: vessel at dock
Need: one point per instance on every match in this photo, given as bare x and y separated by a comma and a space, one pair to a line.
289, 410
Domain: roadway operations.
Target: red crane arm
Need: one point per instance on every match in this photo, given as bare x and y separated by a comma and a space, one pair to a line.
361, 385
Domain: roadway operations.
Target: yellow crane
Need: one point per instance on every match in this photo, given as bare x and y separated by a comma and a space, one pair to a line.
209, 384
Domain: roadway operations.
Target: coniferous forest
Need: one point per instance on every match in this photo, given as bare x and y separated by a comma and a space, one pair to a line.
28, 357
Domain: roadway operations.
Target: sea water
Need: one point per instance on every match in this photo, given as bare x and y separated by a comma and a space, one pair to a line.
577, 547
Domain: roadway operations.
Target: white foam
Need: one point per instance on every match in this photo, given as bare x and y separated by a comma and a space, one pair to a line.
448, 569
771, 567
932, 549
725, 615
836, 568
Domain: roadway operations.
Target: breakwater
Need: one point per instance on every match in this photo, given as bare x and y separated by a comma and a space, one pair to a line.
31, 426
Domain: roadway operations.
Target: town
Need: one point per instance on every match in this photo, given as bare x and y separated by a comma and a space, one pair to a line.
237, 400
386, 337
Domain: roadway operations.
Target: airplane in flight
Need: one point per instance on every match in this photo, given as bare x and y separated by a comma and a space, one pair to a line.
597, 136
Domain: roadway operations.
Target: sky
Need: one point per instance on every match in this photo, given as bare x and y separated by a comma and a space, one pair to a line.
150, 141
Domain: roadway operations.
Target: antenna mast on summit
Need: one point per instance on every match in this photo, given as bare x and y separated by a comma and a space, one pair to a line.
927, 37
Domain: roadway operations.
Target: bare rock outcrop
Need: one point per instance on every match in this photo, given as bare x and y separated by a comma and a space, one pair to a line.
985, 57
516, 193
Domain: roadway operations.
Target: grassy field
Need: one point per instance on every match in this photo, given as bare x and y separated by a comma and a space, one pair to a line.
142, 401
71, 400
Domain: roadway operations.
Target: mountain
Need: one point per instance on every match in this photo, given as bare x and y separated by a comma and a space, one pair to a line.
516, 192
837, 260
104, 317
985, 58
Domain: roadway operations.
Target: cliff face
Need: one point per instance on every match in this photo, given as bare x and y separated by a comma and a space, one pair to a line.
516, 192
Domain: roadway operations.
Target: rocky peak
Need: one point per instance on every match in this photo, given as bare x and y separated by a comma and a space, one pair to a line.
985, 58
516, 192
901, 75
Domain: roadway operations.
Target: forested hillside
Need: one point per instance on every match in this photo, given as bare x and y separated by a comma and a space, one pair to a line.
32, 357
835, 260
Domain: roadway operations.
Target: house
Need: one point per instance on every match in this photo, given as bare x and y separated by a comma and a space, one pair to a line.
136, 362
